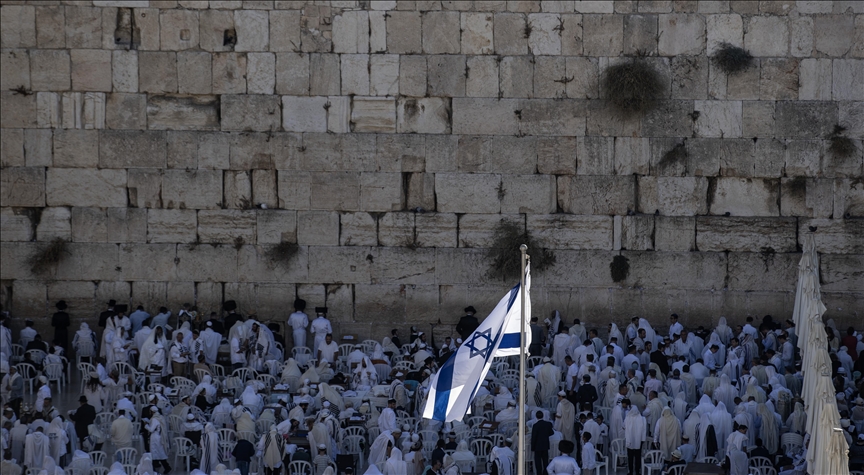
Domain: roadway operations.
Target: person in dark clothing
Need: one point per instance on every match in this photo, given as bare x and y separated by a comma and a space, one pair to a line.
540, 433
104, 316
301, 454
37, 344
394, 337
658, 358
451, 442
60, 322
538, 338
83, 417
232, 317
438, 453
433, 468
242, 453
676, 460
216, 324
586, 395
277, 337
760, 450
468, 323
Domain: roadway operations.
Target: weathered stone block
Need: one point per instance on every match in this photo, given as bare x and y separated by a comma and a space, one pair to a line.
801, 36
673, 196
516, 77
396, 229
805, 119
561, 231
178, 29
322, 153
636, 233
132, 149
157, 72
412, 75
441, 32
556, 155
83, 27
681, 34
12, 148
373, 114
335, 191
640, 34
815, 80
482, 79
779, 79
835, 236
848, 198
145, 187
377, 32
767, 270
757, 119
424, 115
595, 155
124, 71
200, 189
227, 226
172, 226
126, 111
15, 226
509, 34
745, 197
318, 228
571, 34
358, 229
213, 26
549, 76
596, 194
384, 77
689, 77
23, 187
147, 22
194, 72
499, 155
251, 151
197, 263
743, 85
529, 194
803, 157
397, 153
252, 112
252, 30
183, 112
76, 148
544, 38
304, 114
18, 24
404, 33
275, 226
350, 32
80, 187
229, 73
745, 234
421, 192
674, 233
446, 75
478, 230
468, 193
848, 77
50, 70
727, 28
285, 30
381, 191
718, 118
14, 69
836, 165
833, 34
767, 36
669, 119
477, 33
50, 26
435, 229
238, 189
807, 197
632, 156
292, 73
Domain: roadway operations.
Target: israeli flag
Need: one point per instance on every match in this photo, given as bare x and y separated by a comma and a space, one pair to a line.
453, 387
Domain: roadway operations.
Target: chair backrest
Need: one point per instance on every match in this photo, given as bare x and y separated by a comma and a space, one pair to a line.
465, 466
130, 468
653, 457
244, 374
495, 438
676, 470
98, 458
98, 470
54, 371
268, 379
226, 435
247, 435
355, 430
184, 446
708, 460
760, 462
86, 368
299, 467
27, 370
345, 349
36, 355
617, 445
534, 361
353, 444
481, 448
218, 370
300, 350
123, 368
127, 455
86, 348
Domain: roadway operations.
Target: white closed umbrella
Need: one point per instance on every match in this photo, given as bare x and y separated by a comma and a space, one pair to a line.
828, 452
808, 297
814, 360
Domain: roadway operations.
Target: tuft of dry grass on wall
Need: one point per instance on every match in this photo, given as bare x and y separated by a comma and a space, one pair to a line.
632, 87
841, 146
620, 268
283, 252
505, 256
48, 255
732, 59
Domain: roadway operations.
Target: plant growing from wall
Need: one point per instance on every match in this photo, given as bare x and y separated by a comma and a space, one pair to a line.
841, 146
620, 268
632, 87
732, 59
504, 253
283, 252
48, 255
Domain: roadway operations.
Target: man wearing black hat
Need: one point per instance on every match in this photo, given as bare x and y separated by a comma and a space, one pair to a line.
60, 322
299, 321
468, 323
104, 316
83, 417
233, 317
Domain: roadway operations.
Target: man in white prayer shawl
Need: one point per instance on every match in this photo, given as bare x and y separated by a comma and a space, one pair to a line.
299, 321
634, 436
36, 448
548, 375
667, 433
378, 450
565, 416
560, 344
508, 414
395, 464
211, 341
736, 443
653, 411
209, 448
503, 456
320, 328
387, 419
42, 393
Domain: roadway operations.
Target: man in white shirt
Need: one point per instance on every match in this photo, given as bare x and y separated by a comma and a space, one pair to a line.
589, 458
708, 358
328, 350
299, 321
212, 340
564, 463
320, 327
387, 418
675, 328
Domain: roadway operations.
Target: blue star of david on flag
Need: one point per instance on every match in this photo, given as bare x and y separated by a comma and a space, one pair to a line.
480, 337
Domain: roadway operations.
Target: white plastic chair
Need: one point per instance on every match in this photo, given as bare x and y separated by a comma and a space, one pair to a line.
677, 470
299, 467
601, 462
185, 449
127, 455
652, 462
97, 457
54, 373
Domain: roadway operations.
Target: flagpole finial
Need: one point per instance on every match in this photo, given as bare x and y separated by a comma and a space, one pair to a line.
523, 248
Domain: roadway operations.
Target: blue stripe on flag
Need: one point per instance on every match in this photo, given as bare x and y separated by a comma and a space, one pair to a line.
510, 340
442, 389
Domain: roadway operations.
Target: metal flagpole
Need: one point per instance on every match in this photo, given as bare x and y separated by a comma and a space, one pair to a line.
520, 470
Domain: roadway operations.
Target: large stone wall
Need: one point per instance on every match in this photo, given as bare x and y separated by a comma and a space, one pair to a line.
174, 144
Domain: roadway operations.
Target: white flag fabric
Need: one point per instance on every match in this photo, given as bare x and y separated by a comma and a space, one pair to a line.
453, 387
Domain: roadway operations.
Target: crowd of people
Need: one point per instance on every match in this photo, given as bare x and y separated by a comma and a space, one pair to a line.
229, 390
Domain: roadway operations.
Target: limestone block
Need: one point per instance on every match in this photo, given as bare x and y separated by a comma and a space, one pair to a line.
441, 33
377, 32
582, 77
201, 189
294, 190
770, 158
252, 30
324, 76
157, 72
85, 187
50, 27
834, 165
689, 77
673, 196
275, 226
396, 229
834, 236
76, 148
767, 36
213, 151
674, 233
801, 36
124, 71
15, 226
14, 69
671, 118
251, 151
441, 153
373, 114
509, 34
750, 271
805, 119
718, 118
83, 27
384, 75
403, 33
292, 73
529, 194
640, 34
214, 24
803, 157
145, 187
197, 263
470, 116
183, 112
18, 24
412, 75
544, 38
335, 191
562, 231
261, 74
636, 233
593, 6
808, 197
285, 29
264, 188
468, 193
556, 155
745, 197
549, 76
194, 72
227, 226
172, 225
842, 273
358, 229
151, 262
833, 35
147, 22
851, 114
421, 192
132, 149
227, 4
339, 114
381, 191
743, 85
415, 267
23, 186
724, 29
318, 228
848, 198
126, 111
38, 150
497, 155
435, 229
745, 234
355, 74
857, 50
446, 75
350, 32
252, 112
478, 230
757, 119
229, 73
477, 35
517, 73
50, 70
595, 155
848, 77
632, 156
815, 80
681, 34
178, 29
12, 148
596, 194
424, 115
779, 79
238, 189
321, 152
